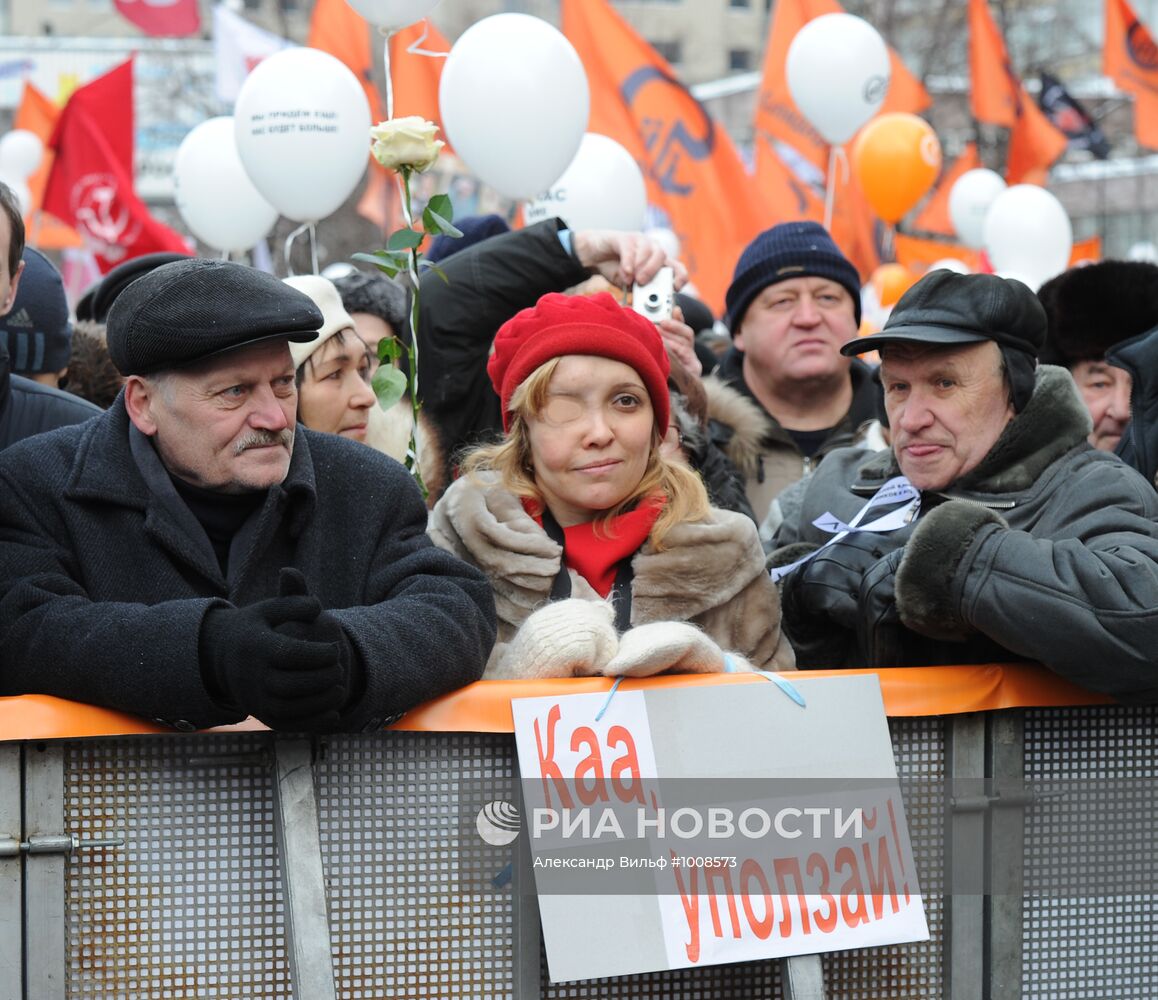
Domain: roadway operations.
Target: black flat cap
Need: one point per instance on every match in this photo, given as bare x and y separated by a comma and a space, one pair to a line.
181, 313
98, 300
949, 308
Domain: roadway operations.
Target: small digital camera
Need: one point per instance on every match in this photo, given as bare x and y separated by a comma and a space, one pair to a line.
655, 299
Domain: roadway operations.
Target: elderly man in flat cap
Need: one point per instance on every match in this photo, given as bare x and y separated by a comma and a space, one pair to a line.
193, 556
992, 529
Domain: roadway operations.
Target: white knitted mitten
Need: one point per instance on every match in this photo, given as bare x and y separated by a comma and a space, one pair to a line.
564, 639
669, 646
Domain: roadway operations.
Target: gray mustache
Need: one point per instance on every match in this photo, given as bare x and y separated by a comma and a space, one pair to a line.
262, 439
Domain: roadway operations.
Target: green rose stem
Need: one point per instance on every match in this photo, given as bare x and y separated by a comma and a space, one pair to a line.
412, 462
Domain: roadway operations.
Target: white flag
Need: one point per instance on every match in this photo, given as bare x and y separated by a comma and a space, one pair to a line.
238, 46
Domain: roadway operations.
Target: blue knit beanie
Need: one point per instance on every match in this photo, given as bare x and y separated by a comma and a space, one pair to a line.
37, 329
789, 250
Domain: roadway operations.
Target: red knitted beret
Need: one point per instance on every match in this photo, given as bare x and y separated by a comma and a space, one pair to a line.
579, 324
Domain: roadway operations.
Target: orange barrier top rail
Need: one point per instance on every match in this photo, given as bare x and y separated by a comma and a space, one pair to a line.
485, 707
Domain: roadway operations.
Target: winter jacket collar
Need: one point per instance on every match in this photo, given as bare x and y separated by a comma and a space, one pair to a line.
702, 565
1054, 422
864, 394
106, 471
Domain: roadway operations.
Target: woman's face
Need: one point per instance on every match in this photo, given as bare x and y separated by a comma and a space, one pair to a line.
335, 395
591, 441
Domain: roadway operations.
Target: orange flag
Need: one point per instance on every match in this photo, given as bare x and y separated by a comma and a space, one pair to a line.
998, 98
1130, 59
38, 114
336, 28
415, 76
779, 122
1086, 251
692, 170
776, 112
917, 254
934, 217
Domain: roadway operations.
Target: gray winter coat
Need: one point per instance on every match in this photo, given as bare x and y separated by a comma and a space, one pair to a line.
1047, 550
105, 578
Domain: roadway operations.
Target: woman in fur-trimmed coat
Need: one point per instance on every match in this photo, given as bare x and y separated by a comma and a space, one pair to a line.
605, 558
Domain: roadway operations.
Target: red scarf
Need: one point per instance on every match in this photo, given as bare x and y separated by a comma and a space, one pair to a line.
595, 553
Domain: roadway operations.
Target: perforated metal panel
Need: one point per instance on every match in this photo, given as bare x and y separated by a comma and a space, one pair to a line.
907, 971
1101, 763
419, 906
190, 906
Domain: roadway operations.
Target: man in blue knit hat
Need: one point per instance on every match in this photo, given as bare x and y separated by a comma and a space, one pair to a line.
793, 301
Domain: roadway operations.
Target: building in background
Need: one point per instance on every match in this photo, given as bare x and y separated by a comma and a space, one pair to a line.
716, 46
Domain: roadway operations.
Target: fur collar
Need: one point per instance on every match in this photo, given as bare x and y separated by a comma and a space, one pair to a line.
703, 564
1053, 422
747, 423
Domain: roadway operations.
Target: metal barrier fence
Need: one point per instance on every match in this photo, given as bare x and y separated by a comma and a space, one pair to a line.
259, 866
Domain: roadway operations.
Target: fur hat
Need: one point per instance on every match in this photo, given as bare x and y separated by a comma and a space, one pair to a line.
579, 324
334, 316
37, 329
789, 250
181, 313
1091, 309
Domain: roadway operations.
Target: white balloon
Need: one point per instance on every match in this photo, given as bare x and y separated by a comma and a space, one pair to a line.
838, 73
1025, 279
19, 188
969, 200
514, 102
302, 124
950, 264
1028, 233
603, 188
393, 13
1144, 251
20, 153
213, 192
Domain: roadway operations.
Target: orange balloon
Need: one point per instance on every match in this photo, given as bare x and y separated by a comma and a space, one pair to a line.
896, 158
891, 281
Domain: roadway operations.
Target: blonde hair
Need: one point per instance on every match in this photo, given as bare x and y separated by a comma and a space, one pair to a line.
686, 497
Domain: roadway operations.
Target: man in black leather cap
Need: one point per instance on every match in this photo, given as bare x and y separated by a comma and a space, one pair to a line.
1009, 535
193, 556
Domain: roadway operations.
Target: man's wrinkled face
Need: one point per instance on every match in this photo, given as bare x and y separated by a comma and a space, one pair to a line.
793, 331
947, 407
1106, 392
227, 425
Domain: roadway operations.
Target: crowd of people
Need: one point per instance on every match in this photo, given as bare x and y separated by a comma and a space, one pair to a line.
204, 515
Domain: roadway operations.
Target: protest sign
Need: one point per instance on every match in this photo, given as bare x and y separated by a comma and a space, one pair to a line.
684, 827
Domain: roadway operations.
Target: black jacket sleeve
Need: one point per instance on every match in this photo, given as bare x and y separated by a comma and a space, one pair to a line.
484, 286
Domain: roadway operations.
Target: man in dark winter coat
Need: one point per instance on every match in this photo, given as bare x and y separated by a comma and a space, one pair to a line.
192, 556
1092, 309
27, 407
992, 529
794, 299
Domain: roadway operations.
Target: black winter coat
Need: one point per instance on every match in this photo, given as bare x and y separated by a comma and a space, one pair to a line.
27, 407
1139, 445
484, 286
103, 591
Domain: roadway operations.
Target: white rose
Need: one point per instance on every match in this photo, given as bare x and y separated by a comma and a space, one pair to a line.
406, 142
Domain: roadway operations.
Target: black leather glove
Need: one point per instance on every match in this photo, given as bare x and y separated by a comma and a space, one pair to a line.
879, 628
820, 602
283, 660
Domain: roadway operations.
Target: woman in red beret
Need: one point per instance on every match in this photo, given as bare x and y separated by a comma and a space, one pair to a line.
604, 555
